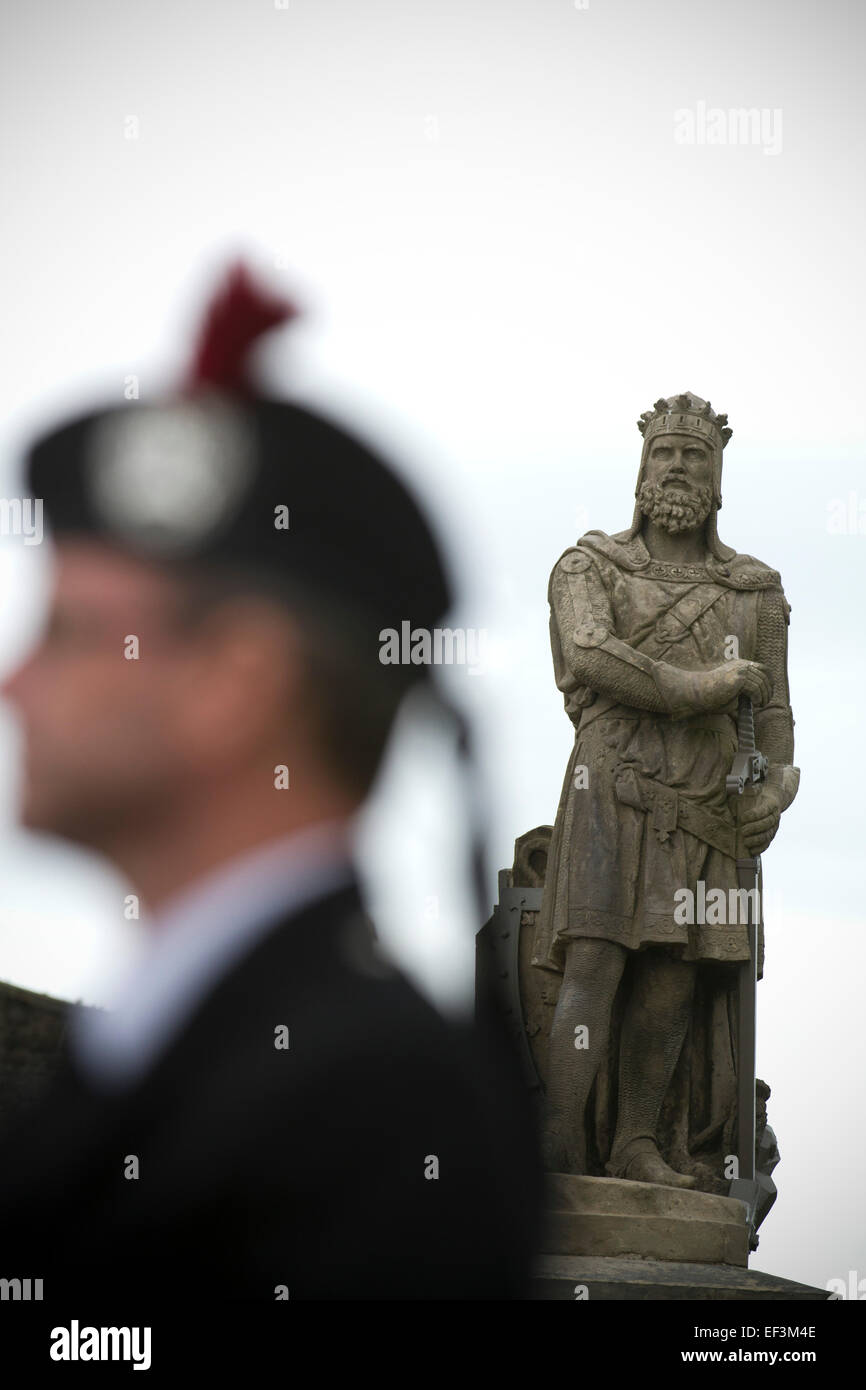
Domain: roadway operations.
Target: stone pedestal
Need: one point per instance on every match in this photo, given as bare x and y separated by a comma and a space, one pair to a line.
634, 1240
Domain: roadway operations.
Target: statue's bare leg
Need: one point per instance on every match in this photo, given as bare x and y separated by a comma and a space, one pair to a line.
578, 1040
654, 1029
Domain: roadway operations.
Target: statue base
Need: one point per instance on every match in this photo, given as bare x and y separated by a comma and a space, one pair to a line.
634, 1240
561, 1277
614, 1217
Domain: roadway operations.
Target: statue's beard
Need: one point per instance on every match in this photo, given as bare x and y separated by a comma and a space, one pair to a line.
673, 508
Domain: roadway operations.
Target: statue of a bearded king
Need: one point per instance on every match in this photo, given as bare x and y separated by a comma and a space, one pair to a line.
656, 633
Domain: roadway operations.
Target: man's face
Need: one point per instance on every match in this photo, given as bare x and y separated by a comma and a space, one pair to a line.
677, 487
103, 718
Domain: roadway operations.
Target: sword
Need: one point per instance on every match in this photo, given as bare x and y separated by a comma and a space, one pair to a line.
749, 769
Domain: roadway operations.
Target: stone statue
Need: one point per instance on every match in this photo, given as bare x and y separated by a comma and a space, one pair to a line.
656, 634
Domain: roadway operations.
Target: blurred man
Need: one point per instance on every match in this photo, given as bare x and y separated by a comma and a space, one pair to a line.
269, 1110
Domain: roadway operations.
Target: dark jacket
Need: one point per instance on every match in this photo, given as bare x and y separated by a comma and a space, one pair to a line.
305, 1169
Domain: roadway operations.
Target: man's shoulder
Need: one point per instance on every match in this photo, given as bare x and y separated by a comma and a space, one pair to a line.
351, 1049
322, 994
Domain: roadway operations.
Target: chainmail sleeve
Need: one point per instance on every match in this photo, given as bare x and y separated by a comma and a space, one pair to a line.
774, 723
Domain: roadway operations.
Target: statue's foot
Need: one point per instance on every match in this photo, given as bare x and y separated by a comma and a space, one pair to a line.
651, 1167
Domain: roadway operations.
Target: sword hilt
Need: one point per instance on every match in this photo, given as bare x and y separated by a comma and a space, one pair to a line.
749, 766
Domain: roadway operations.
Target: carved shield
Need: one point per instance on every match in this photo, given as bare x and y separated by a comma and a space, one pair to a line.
504, 948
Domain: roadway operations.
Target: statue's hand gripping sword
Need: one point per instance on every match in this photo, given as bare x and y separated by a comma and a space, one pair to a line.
749, 766
749, 769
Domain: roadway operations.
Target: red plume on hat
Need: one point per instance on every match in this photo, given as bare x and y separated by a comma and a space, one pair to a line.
241, 312
202, 478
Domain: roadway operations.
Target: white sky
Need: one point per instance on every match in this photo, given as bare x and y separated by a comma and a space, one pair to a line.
505, 257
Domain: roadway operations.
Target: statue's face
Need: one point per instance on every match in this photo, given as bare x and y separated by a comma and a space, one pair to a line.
677, 487
679, 460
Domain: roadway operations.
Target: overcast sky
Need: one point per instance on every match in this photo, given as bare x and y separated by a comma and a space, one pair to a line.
513, 226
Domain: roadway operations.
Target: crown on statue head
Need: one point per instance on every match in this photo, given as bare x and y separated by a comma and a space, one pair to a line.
685, 414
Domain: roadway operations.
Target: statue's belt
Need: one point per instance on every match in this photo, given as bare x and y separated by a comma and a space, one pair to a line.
669, 809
